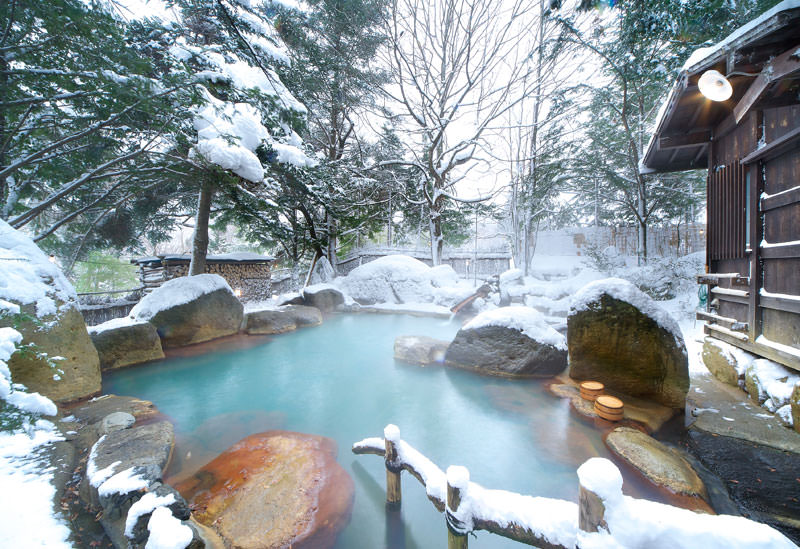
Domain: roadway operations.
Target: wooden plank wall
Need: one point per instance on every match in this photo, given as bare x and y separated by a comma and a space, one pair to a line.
781, 218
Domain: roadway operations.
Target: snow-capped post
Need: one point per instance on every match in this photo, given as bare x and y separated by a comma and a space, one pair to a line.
457, 480
391, 436
596, 477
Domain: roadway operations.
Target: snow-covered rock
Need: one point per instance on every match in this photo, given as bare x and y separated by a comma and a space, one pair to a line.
619, 336
509, 341
30, 284
191, 309
389, 279
726, 362
770, 383
124, 341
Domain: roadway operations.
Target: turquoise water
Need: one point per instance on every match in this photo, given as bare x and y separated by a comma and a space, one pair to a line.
340, 380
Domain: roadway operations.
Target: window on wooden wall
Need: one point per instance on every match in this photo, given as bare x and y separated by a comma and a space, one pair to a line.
727, 210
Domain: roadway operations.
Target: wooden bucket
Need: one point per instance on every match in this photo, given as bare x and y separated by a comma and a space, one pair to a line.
590, 390
608, 407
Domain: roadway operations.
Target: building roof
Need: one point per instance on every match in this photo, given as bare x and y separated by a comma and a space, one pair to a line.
756, 58
237, 257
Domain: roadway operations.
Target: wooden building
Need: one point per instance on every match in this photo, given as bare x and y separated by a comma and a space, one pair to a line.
248, 274
750, 145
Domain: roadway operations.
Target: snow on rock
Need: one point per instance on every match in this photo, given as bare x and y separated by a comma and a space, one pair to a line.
33, 403
623, 290
511, 275
443, 276
528, 321
26, 482
166, 531
177, 291
122, 483
776, 382
28, 277
115, 323
735, 356
389, 279
147, 504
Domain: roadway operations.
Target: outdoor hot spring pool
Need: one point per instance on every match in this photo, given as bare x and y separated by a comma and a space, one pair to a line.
340, 380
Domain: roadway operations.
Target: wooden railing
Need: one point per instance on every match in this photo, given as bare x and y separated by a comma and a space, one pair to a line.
602, 509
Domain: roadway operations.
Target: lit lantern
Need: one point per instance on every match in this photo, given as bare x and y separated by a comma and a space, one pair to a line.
715, 86
237, 292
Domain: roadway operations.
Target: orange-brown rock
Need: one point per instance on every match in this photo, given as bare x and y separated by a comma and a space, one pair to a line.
273, 489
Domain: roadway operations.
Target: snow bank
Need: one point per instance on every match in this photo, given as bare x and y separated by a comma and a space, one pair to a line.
26, 482
528, 321
177, 292
627, 292
641, 523
28, 277
443, 276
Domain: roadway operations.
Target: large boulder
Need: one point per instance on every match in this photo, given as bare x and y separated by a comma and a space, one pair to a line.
619, 336
660, 464
322, 296
421, 350
36, 296
303, 315
191, 309
509, 341
726, 362
269, 322
390, 279
273, 489
122, 342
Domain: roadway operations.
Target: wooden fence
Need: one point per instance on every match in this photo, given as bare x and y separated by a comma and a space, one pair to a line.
558, 524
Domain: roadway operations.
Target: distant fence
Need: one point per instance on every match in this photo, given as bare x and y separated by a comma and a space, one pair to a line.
464, 262
662, 240
99, 307
602, 512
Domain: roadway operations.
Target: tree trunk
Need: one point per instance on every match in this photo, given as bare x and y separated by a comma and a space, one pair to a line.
200, 243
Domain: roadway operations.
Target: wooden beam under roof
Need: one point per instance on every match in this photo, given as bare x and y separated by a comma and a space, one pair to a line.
686, 140
785, 64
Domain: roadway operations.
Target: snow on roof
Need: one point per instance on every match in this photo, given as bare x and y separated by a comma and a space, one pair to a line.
625, 291
701, 56
528, 321
28, 277
177, 292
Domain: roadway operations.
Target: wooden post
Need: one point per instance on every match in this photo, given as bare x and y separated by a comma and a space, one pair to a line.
457, 480
391, 435
591, 510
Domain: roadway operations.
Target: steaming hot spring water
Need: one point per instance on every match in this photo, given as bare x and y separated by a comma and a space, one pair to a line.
340, 380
